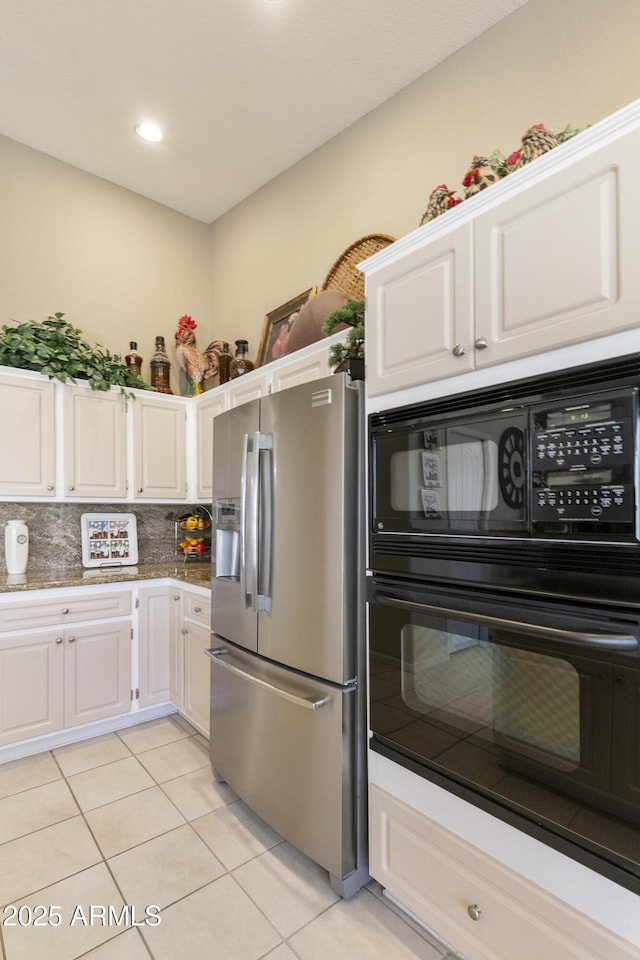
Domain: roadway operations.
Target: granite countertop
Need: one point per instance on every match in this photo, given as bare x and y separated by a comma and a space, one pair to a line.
194, 574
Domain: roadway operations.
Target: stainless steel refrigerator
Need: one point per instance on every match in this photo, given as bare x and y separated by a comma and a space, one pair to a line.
288, 727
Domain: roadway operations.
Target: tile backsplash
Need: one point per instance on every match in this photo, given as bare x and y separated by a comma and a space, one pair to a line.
55, 537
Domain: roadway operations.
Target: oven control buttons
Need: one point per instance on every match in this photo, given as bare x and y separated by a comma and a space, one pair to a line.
581, 503
591, 446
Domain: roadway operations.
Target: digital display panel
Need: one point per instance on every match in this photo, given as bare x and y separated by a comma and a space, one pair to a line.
570, 478
579, 416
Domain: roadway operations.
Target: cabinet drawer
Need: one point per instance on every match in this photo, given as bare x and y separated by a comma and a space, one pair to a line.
197, 608
480, 907
29, 614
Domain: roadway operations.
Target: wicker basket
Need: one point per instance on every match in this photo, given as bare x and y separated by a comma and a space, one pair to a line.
344, 274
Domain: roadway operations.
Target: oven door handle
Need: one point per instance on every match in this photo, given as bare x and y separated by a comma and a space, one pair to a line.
575, 637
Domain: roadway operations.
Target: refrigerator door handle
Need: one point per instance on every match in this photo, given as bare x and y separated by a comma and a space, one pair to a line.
243, 518
254, 542
218, 656
263, 546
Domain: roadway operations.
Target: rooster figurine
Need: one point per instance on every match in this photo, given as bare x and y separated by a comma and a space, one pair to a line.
196, 365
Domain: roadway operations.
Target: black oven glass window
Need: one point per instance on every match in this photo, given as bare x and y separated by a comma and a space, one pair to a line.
483, 702
527, 715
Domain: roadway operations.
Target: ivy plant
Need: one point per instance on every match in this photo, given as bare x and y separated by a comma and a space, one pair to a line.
56, 349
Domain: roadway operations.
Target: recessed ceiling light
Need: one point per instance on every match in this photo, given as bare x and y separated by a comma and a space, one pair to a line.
149, 131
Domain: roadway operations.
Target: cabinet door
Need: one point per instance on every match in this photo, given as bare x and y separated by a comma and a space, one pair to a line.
94, 443
481, 908
157, 636
249, 387
31, 685
207, 410
557, 263
196, 675
97, 672
27, 465
420, 315
301, 369
159, 448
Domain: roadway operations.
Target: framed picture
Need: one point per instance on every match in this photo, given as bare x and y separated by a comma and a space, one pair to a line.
109, 539
277, 324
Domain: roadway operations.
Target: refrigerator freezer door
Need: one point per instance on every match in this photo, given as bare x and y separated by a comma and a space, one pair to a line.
284, 743
310, 589
232, 614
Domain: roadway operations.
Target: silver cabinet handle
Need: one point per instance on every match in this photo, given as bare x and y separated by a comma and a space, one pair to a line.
140, 489
198, 609
72, 639
59, 640
65, 609
474, 911
50, 486
458, 350
307, 702
71, 487
480, 343
177, 596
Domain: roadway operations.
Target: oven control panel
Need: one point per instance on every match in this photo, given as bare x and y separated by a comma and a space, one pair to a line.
583, 460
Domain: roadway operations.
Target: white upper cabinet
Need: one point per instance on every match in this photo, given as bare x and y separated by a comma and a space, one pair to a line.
27, 409
544, 259
420, 315
251, 386
159, 448
208, 408
309, 365
94, 443
556, 264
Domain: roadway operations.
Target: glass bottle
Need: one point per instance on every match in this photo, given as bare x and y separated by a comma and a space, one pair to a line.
133, 360
160, 368
240, 363
224, 361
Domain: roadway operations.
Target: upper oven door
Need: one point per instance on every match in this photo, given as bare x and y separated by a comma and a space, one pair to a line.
464, 475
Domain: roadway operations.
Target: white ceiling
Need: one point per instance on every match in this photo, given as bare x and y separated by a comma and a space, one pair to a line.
243, 88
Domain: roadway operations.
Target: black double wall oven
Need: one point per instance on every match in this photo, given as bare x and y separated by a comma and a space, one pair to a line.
504, 604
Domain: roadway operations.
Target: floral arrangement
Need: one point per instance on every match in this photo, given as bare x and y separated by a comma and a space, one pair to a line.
485, 171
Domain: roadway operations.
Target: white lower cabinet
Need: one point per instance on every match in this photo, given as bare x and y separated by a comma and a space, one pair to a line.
54, 679
66, 657
31, 685
484, 910
97, 672
159, 621
174, 631
189, 664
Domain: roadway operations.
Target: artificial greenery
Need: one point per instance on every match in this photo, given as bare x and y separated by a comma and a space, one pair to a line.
54, 348
352, 313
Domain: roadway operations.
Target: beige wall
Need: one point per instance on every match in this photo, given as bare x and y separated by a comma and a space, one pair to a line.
551, 62
122, 267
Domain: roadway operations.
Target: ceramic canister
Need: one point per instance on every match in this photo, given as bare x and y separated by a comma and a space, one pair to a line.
16, 546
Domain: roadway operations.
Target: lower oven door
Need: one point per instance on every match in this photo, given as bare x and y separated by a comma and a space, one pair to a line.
530, 703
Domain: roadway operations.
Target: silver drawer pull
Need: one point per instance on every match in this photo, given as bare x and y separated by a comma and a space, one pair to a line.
72, 639
58, 640
198, 609
65, 609
474, 911
307, 702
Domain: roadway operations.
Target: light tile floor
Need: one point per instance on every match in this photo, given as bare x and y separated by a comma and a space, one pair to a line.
134, 819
